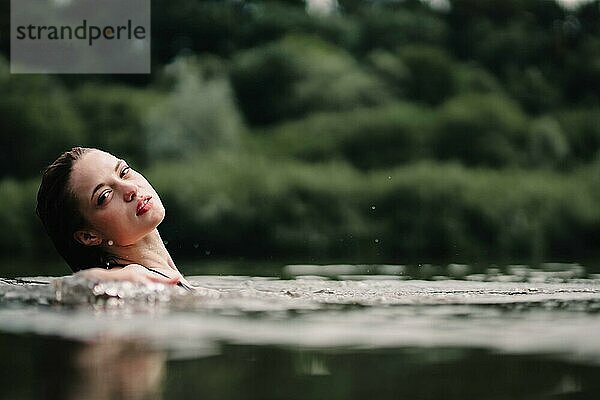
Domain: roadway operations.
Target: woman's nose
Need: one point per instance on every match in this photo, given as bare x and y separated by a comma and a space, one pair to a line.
129, 192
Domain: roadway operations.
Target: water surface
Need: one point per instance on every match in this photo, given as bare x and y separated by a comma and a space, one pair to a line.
338, 331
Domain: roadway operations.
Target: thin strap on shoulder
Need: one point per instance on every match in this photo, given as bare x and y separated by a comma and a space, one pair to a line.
183, 285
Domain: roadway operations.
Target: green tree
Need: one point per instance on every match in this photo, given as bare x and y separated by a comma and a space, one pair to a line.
432, 74
548, 146
114, 118
374, 137
298, 75
37, 122
582, 130
197, 115
481, 130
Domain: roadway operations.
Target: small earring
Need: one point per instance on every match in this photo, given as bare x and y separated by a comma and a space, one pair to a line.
110, 242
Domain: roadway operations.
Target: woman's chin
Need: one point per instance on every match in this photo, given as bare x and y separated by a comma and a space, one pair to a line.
160, 215
157, 218
154, 216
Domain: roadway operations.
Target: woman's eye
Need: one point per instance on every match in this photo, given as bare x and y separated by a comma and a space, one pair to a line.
125, 171
103, 196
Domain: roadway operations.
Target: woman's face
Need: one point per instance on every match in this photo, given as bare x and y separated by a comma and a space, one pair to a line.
118, 203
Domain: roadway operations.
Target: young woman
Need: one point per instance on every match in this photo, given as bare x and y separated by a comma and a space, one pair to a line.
102, 217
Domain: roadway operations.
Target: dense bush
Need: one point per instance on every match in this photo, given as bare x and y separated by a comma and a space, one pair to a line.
250, 205
472, 78
197, 114
22, 233
198, 26
298, 75
227, 27
482, 214
368, 138
547, 143
114, 119
274, 20
432, 77
533, 90
391, 69
37, 122
582, 78
388, 25
582, 129
481, 129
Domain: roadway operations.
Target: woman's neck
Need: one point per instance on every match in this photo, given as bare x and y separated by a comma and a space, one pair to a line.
150, 251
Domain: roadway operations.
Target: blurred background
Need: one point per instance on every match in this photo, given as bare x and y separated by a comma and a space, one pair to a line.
439, 131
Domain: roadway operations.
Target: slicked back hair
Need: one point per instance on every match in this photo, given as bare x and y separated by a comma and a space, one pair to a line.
59, 212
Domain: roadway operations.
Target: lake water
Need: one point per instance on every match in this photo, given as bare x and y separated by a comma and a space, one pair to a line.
311, 332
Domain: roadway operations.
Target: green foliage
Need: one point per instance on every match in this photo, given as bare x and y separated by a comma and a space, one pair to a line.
201, 26
114, 118
22, 234
481, 130
228, 203
503, 45
432, 77
582, 80
391, 69
298, 75
533, 90
273, 20
389, 26
252, 205
471, 78
198, 114
368, 138
37, 122
548, 145
582, 129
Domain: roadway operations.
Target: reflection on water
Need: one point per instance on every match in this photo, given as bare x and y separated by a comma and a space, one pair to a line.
49, 368
117, 369
338, 331
37, 367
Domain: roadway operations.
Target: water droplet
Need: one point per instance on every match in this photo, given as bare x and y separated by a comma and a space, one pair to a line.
389, 177
372, 207
376, 240
166, 242
196, 245
207, 252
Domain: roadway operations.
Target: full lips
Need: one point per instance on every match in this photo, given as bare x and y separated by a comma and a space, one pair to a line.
143, 208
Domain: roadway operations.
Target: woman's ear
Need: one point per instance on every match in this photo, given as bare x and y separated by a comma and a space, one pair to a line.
87, 238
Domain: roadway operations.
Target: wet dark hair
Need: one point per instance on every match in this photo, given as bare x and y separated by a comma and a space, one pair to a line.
59, 212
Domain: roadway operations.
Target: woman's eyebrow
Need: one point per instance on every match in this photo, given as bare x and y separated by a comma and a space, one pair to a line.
98, 186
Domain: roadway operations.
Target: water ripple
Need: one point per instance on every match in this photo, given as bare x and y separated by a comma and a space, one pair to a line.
519, 317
